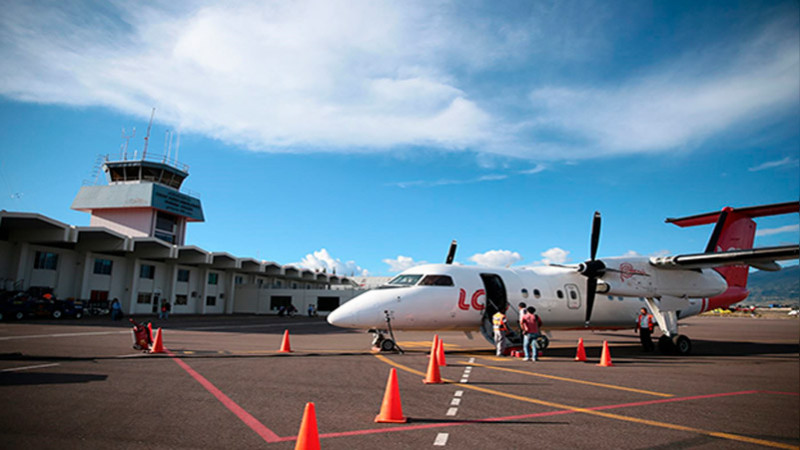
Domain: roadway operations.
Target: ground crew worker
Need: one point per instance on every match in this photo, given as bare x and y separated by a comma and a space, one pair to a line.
644, 326
500, 327
522, 311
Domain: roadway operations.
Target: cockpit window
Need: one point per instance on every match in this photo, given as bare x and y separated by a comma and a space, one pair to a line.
436, 280
405, 280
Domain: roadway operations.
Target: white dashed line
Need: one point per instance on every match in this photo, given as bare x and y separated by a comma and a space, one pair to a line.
458, 394
40, 366
452, 411
455, 402
441, 439
463, 380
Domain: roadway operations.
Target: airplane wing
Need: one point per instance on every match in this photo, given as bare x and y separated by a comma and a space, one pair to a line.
761, 258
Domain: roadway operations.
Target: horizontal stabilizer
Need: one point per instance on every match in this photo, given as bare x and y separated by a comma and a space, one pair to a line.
753, 211
764, 258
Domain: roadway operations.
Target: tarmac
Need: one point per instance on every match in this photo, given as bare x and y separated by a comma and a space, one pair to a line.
223, 384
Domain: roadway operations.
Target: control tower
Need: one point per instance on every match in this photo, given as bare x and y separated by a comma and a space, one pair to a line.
142, 199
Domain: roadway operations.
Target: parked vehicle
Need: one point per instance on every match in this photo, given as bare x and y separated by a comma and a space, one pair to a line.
19, 304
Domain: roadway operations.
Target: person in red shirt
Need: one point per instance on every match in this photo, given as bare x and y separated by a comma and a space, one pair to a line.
531, 326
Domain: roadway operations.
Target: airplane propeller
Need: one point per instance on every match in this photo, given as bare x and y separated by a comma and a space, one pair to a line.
452, 253
592, 268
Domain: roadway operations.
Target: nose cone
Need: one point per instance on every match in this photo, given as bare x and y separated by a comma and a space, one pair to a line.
345, 316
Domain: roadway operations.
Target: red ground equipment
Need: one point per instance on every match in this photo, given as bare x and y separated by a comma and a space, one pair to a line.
141, 336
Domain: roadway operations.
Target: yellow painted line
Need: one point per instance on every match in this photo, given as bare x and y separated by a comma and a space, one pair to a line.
729, 436
571, 380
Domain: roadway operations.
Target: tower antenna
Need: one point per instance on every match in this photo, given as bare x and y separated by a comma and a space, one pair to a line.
147, 138
125, 144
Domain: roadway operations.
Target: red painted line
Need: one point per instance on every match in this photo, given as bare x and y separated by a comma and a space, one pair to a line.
268, 435
781, 393
520, 417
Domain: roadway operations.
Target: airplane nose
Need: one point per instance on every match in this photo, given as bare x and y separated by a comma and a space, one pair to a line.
344, 316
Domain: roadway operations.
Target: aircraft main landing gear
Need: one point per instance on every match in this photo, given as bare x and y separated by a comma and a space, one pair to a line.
678, 344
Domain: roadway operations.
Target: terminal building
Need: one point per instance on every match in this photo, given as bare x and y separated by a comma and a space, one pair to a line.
134, 250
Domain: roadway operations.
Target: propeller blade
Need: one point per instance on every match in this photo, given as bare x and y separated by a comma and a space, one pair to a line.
452, 253
595, 235
591, 290
565, 266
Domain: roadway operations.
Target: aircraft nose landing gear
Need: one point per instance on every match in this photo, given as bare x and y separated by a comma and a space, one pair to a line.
383, 343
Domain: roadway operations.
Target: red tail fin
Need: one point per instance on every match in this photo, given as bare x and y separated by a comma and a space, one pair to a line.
735, 230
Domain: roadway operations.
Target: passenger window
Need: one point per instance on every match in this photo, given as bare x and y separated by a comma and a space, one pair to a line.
524, 293
573, 295
536, 293
436, 280
559, 294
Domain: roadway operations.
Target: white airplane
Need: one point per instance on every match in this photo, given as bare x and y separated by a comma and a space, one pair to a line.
439, 297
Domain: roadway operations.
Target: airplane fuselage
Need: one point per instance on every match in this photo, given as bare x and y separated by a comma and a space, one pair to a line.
454, 297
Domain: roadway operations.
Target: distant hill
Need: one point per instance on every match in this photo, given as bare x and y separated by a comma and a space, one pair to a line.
781, 287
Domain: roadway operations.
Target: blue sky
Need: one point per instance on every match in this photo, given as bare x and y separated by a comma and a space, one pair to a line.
365, 135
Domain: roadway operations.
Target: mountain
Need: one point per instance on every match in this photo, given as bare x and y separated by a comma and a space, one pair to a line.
782, 287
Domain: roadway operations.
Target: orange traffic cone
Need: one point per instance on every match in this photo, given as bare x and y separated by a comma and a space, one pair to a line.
285, 348
440, 353
308, 438
150, 330
581, 355
433, 376
158, 346
391, 408
605, 358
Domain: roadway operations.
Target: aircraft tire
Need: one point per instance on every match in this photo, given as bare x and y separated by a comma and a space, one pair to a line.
387, 345
542, 342
683, 345
665, 345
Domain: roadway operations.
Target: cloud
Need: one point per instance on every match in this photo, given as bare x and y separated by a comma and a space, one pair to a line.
555, 255
675, 105
380, 76
273, 76
780, 230
785, 162
402, 263
481, 179
496, 258
322, 260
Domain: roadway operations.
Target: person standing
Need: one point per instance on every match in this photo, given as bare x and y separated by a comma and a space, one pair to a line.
531, 326
116, 310
644, 326
500, 327
522, 311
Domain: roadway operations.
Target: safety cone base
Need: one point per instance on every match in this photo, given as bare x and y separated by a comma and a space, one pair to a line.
378, 419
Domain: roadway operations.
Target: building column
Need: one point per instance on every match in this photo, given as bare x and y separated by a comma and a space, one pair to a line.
173, 286
88, 268
204, 291
23, 259
134, 287
230, 292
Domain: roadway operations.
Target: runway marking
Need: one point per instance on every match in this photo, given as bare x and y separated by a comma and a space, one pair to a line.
452, 411
441, 439
458, 394
40, 366
60, 335
455, 402
573, 380
596, 411
268, 435
171, 330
